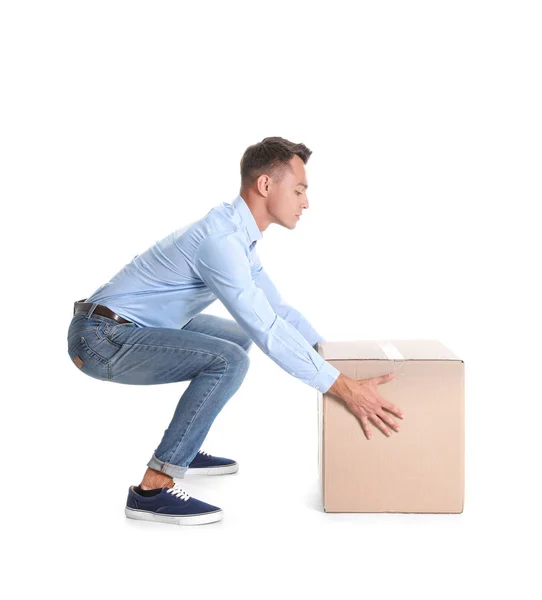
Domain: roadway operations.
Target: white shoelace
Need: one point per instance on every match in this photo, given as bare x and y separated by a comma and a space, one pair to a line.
203, 452
178, 491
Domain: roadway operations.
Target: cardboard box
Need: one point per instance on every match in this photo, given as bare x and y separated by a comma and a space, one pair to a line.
420, 468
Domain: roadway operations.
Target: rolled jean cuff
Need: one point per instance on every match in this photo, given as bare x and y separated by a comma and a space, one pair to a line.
167, 468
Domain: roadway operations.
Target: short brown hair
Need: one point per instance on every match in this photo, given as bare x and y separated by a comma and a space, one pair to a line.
270, 156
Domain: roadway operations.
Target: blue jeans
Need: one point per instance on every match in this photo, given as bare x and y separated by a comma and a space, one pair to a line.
211, 351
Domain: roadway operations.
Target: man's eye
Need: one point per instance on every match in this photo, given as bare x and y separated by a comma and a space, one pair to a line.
299, 193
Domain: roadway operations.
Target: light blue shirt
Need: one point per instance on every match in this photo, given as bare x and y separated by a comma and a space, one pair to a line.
215, 257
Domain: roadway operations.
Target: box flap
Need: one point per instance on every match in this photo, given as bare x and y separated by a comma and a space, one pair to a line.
386, 350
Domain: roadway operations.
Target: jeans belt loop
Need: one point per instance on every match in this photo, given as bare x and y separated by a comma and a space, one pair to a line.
92, 308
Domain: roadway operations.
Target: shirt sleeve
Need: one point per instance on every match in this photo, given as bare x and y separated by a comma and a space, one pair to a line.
222, 263
284, 310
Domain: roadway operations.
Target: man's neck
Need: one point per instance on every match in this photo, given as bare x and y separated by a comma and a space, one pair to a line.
258, 207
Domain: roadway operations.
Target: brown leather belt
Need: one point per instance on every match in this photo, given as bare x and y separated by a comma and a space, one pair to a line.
81, 306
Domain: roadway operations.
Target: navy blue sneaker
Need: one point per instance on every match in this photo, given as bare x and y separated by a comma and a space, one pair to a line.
169, 505
206, 464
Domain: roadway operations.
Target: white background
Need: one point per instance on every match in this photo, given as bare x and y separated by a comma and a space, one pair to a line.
121, 121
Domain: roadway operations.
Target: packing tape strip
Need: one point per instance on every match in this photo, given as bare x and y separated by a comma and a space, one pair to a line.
391, 351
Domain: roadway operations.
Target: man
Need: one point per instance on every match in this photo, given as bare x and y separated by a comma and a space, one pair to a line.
144, 327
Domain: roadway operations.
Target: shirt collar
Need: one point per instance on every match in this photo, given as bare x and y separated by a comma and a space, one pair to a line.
247, 217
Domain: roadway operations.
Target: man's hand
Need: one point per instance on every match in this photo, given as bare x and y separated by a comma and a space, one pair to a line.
363, 400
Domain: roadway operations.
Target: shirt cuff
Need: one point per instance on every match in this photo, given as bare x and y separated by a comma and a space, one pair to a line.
325, 378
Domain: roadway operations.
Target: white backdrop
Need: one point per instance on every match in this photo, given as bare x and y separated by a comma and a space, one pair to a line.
122, 121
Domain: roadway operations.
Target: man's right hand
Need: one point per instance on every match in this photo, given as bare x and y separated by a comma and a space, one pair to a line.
363, 400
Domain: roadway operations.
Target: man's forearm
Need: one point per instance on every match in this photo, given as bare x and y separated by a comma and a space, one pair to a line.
342, 388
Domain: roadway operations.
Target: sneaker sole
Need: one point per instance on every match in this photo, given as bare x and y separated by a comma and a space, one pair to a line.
200, 519
213, 470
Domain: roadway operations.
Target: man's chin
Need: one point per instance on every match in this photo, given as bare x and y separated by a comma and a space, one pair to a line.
289, 226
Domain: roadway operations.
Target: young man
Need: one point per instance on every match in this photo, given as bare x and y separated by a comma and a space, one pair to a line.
144, 327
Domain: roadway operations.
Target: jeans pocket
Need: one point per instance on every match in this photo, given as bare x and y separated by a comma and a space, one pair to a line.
79, 327
89, 361
115, 333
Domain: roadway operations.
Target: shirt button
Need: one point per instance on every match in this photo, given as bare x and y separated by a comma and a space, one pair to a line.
293, 372
317, 387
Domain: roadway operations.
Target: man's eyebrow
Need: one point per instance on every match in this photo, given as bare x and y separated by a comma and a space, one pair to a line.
305, 185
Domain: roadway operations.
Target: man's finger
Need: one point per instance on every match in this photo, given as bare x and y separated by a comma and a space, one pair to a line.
380, 424
365, 426
388, 420
393, 409
384, 378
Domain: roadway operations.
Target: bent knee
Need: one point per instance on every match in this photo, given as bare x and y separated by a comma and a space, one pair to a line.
237, 354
